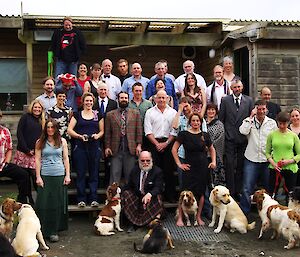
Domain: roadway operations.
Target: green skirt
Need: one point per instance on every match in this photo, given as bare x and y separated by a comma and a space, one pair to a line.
52, 205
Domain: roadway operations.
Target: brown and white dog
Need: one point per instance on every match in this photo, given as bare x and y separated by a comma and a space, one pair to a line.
110, 214
282, 219
29, 234
157, 239
229, 211
188, 204
7, 209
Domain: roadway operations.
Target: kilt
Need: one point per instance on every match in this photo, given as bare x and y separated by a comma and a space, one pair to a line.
52, 205
134, 211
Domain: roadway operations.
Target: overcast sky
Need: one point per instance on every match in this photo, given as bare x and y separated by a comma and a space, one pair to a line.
234, 9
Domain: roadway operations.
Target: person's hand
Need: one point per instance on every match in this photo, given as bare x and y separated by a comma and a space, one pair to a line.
67, 180
138, 150
283, 163
212, 165
108, 152
253, 112
146, 199
39, 182
95, 136
160, 147
275, 165
181, 107
31, 152
184, 166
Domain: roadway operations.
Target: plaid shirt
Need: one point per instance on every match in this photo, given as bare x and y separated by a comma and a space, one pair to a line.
5, 145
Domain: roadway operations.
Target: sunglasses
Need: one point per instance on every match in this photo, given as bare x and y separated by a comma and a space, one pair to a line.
145, 161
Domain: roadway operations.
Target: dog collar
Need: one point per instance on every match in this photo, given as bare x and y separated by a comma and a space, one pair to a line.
223, 202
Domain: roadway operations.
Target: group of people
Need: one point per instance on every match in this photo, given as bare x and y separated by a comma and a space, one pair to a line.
162, 121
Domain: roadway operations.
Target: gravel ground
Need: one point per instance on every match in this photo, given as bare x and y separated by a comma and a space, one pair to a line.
80, 241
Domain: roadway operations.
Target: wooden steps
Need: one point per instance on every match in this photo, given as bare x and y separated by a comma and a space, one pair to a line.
75, 208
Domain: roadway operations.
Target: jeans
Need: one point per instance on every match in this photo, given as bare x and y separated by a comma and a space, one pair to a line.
252, 172
87, 158
62, 67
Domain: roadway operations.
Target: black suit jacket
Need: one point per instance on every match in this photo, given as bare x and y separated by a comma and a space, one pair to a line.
273, 110
153, 183
233, 118
111, 105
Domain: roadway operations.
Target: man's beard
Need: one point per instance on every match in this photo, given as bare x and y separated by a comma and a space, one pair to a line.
123, 104
146, 168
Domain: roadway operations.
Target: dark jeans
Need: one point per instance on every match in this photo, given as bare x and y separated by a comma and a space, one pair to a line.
87, 158
21, 177
253, 171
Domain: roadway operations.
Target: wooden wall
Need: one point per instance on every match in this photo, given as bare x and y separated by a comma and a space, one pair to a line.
146, 55
278, 67
10, 45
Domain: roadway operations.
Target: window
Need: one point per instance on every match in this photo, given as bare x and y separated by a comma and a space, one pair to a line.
13, 84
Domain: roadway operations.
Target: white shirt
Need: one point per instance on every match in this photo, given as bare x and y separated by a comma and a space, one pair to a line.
105, 103
219, 93
159, 123
114, 86
257, 137
237, 97
180, 82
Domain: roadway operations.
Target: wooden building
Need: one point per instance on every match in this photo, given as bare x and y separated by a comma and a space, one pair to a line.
265, 53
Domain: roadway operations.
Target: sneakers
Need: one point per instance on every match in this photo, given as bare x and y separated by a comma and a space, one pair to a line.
94, 204
54, 238
81, 204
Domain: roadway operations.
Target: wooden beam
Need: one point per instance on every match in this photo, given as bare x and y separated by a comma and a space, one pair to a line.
180, 28
142, 27
11, 23
104, 26
279, 33
29, 54
151, 38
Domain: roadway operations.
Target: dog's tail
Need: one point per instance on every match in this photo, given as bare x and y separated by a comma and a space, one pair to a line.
135, 248
251, 226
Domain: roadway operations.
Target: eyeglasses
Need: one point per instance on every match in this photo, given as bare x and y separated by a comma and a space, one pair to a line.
145, 161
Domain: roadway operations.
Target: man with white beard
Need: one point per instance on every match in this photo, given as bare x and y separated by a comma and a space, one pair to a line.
219, 88
141, 196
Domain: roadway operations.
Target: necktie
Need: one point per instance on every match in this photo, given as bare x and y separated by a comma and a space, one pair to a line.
102, 108
123, 123
237, 103
143, 182
107, 76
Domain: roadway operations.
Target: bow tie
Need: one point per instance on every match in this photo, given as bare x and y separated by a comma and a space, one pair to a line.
107, 76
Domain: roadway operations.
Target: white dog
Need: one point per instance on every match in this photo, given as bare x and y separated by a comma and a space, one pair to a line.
29, 234
110, 214
229, 211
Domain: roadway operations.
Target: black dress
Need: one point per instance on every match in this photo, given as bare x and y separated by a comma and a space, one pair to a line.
195, 146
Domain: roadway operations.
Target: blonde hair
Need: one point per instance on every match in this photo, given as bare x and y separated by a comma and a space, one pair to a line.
42, 118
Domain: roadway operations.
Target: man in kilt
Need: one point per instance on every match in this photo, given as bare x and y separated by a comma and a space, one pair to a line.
141, 196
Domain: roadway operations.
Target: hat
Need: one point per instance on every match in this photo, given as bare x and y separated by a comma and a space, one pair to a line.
67, 78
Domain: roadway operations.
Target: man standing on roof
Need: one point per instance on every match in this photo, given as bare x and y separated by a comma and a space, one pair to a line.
68, 44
